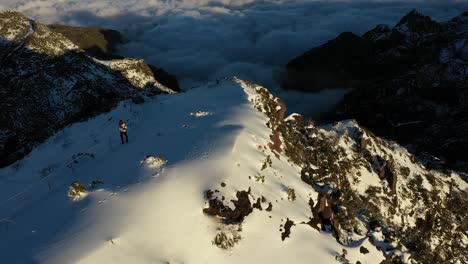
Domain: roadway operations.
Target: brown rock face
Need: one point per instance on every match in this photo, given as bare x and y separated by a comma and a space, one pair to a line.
364, 143
242, 208
275, 144
278, 109
258, 204
363, 250
322, 213
425, 225
388, 172
287, 229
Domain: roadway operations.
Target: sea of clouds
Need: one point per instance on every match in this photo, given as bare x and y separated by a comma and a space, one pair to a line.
201, 40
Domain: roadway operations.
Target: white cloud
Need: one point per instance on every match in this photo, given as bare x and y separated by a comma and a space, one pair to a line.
199, 40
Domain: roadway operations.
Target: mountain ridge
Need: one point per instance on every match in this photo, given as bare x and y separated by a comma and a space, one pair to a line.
409, 83
215, 186
49, 82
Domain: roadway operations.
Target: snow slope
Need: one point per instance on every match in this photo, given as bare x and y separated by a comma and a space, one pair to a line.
150, 211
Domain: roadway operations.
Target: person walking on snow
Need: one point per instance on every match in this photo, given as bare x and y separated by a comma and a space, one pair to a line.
123, 131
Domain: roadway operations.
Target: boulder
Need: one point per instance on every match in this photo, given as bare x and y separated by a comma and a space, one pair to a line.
242, 208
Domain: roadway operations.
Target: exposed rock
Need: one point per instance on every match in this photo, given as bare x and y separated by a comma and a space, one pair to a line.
287, 229
364, 143
258, 204
242, 208
426, 224
76, 191
323, 213
275, 144
363, 250
355, 206
226, 241
387, 171
291, 194
209, 194
374, 224
141, 75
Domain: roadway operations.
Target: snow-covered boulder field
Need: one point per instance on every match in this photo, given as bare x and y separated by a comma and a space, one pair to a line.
242, 184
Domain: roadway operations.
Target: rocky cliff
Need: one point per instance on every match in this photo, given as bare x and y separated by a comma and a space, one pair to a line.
371, 187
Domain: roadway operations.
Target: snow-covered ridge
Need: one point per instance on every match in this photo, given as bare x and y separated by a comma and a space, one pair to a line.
377, 182
142, 213
139, 74
242, 185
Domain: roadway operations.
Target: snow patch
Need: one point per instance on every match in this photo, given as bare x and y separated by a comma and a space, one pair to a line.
201, 113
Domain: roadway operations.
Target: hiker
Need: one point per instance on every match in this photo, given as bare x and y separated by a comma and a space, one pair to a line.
123, 131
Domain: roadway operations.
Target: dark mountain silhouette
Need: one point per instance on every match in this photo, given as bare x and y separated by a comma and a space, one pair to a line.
410, 83
100, 43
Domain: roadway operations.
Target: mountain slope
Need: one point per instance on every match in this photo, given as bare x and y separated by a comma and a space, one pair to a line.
98, 42
47, 82
297, 192
102, 44
409, 83
142, 214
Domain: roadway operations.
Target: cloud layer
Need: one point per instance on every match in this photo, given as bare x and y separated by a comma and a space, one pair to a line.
200, 40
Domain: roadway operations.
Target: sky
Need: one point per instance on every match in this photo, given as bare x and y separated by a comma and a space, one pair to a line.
201, 40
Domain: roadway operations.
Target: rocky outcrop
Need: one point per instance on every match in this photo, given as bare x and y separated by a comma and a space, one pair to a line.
323, 214
387, 172
287, 229
48, 82
371, 188
144, 76
411, 83
258, 204
242, 207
